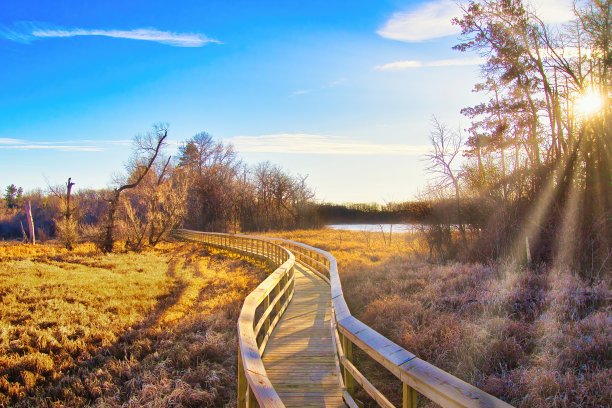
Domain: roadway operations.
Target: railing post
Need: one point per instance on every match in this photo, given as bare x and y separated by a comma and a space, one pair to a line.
266, 306
242, 382
349, 381
279, 287
251, 401
409, 396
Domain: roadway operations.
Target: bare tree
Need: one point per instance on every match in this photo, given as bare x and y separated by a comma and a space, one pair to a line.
226, 195
443, 165
146, 151
66, 226
213, 168
156, 206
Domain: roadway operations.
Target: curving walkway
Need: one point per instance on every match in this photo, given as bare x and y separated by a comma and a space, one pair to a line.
299, 358
288, 318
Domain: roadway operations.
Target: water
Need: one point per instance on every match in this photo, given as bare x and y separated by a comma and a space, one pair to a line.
375, 227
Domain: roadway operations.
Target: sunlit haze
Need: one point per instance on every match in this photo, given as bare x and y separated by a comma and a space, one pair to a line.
589, 103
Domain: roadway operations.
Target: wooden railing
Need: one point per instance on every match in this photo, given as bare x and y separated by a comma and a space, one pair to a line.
417, 376
261, 311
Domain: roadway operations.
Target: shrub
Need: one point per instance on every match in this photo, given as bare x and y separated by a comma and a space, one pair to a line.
67, 232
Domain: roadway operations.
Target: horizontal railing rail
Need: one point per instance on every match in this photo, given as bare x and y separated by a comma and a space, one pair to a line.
260, 313
417, 376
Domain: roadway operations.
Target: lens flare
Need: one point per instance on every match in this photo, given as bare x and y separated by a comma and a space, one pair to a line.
589, 103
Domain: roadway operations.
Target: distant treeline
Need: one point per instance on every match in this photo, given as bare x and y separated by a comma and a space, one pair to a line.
373, 213
47, 210
206, 186
92, 206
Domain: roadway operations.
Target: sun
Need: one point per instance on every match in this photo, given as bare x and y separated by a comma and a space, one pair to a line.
589, 103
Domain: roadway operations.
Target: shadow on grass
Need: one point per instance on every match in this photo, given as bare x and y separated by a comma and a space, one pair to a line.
191, 362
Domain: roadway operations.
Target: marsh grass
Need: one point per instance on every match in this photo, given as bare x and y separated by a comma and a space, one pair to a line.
539, 338
155, 328
158, 328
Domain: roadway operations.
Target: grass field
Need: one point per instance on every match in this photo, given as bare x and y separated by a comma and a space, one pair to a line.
155, 328
158, 328
535, 339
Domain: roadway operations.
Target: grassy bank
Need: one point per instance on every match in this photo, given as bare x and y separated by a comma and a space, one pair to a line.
155, 328
533, 338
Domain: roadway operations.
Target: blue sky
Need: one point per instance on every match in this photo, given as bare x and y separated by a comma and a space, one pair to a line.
340, 90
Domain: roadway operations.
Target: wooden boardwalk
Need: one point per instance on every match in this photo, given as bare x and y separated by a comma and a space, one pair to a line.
299, 358
289, 321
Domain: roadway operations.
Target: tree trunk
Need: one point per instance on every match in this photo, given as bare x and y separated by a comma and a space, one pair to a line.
459, 212
107, 240
69, 185
30, 222
23, 232
502, 141
69, 236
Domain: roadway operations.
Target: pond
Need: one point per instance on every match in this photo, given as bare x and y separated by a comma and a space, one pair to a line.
375, 227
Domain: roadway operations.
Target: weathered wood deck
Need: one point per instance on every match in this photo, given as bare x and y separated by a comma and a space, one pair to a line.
299, 358
295, 331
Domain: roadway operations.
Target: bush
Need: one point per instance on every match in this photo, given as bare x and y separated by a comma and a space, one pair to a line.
67, 232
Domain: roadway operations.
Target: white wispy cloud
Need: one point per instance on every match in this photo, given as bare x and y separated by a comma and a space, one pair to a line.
64, 146
425, 22
305, 143
8, 141
432, 19
409, 64
27, 32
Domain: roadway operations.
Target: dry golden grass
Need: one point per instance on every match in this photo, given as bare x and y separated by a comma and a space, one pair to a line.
158, 328
155, 328
534, 339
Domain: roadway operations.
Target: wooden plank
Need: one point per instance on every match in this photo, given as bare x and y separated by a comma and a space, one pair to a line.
379, 347
263, 391
274, 322
409, 396
444, 388
271, 307
259, 385
300, 358
366, 385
